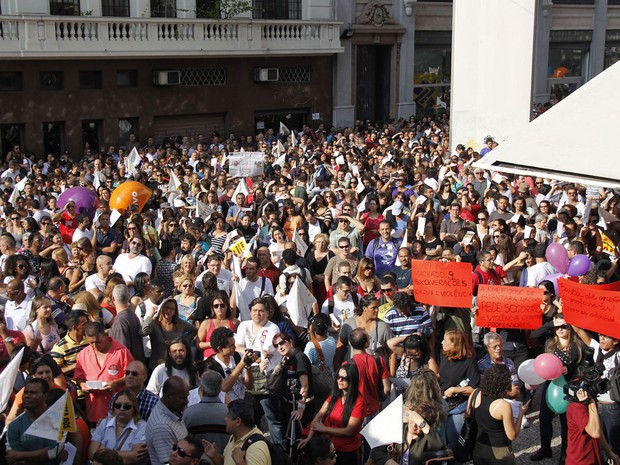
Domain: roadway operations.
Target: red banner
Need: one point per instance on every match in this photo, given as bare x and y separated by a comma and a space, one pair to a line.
443, 284
509, 307
590, 307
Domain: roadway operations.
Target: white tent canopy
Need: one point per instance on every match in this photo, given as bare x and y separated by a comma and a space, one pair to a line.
577, 140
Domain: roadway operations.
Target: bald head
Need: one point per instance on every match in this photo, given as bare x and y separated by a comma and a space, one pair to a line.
174, 394
15, 290
104, 265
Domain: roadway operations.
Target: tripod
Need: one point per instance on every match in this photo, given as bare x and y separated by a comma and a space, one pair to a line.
294, 427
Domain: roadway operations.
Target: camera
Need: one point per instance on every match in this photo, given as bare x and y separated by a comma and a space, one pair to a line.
589, 378
251, 356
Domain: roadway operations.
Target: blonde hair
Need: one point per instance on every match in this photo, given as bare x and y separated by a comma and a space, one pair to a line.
92, 306
60, 256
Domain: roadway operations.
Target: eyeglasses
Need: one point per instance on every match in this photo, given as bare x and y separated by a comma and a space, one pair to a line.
186, 285
482, 219
564, 326
119, 406
136, 243
15, 218
387, 291
182, 453
132, 373
131, 229
344, 246
371, 268
21, 266
279, 344
43, 223
219, 305
495, 237
342, 378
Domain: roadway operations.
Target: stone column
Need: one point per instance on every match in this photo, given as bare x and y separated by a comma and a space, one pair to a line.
405, 106
597, 47
343, 83
542, 30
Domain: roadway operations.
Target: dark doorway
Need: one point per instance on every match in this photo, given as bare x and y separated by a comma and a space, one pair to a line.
293, 119
373, 82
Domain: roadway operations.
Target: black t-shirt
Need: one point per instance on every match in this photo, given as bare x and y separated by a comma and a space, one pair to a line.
299, 364
453, 372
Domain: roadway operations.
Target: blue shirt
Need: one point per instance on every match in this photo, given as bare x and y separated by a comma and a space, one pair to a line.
485, 363
383, 254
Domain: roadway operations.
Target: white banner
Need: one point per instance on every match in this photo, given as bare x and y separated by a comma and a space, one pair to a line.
246, 164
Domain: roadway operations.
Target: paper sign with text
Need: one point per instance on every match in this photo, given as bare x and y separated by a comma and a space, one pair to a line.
246, 164
443, 284
589, 307
509, 307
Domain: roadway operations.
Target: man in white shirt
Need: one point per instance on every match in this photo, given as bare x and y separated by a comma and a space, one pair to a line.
17, 308
343, 304
95, 283
542, 268
132, 263
224, 277
250, 287
82, 228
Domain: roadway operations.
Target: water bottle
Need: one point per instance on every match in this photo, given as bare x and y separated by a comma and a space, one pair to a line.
464, 383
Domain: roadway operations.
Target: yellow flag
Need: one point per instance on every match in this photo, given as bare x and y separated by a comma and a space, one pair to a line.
68, 419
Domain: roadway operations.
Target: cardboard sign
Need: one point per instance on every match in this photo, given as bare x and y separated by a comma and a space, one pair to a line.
509, 307
443, 284
589, 307
246, 164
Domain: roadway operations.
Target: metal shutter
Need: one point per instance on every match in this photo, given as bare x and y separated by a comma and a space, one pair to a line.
188, 125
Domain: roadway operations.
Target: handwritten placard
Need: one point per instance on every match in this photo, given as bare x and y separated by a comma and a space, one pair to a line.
443, 284
509, 307
589, 307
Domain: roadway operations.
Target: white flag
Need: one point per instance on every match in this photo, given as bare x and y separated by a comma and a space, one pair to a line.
299, 303
114, 216
133, 160
48, 425
96, 180
242, 188
382, 429
7, 379
280, 160
242, 305
174, 184
441, 103
293, 139
402, 244
284, 130
203, 211
16, 190
280, 148
302, 247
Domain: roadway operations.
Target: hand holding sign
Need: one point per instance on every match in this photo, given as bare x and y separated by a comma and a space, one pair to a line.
509, 307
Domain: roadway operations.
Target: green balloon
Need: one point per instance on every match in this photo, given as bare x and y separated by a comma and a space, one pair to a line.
555, 395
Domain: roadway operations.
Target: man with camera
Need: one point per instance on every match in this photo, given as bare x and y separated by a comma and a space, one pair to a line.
606, 357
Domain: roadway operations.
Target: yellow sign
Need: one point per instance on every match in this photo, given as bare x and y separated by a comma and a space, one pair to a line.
68, 419
238, 247
383, 309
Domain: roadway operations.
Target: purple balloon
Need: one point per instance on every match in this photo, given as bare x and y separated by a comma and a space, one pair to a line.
86, 201
579, 265
554, 279
558, 257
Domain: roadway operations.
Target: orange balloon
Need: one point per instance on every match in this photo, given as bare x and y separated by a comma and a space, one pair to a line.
130, 193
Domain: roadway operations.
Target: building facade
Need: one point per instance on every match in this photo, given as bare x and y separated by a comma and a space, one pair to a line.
78, 72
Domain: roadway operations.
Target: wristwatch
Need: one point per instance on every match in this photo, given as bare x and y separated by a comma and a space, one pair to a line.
9, 339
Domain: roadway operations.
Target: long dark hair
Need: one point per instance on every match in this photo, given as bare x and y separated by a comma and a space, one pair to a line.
188, 364
352, 392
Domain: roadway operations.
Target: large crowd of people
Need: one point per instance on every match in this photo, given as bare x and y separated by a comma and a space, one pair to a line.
170, 337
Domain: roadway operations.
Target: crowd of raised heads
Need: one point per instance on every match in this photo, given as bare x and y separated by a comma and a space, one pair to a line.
270, 315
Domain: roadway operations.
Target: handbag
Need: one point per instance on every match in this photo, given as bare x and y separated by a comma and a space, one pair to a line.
322, 378
260, 382
464, 449
276, 380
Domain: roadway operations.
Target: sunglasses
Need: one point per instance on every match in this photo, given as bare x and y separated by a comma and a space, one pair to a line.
219, 305
22, 266
181, 453
131, 229
344, 246
342, 378
564, 326
132, 373
136, 243
119, 406
279, 344
15, 218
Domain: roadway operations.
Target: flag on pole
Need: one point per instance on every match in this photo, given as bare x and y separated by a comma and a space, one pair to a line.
280, 148
302, 247
382, 429
402, 244
96, 180
299, 303
242, 188
7, 379
59, 418
293, 139
284, 130
242, 305
133, 160
16, 190
174, 185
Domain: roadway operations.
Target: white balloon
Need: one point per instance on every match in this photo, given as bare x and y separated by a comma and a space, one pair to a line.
527, 373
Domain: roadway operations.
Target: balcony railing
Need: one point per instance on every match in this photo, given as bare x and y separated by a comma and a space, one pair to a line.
77, 37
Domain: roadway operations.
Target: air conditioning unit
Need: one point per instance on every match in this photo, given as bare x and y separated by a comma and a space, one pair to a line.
266, 74
167, 78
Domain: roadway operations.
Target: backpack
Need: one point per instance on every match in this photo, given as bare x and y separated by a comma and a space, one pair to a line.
380, 391
375, 244
330, 301
481, 279
278, 456
614, 382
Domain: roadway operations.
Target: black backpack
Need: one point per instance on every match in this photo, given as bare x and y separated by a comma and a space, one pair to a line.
614, 381
278, 456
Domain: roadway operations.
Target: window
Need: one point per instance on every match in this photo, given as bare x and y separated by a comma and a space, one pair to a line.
91, 133
90, 79
127, 126
65, 7
10, 80
11, 135
54, 137
115, 8
208, 9
276, 9
163, 8
127, 78
52, 80
432, 69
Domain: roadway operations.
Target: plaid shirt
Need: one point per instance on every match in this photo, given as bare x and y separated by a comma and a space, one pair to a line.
146, 402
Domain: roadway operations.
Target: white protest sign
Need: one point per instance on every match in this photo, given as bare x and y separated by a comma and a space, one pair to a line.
246, 164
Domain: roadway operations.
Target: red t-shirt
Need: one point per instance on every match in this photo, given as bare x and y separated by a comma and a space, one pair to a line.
582, 449
18, 338
369, 377
334, 420
68, 225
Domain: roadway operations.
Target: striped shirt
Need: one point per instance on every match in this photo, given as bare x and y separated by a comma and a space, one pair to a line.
66, 350
163, 429
418, 321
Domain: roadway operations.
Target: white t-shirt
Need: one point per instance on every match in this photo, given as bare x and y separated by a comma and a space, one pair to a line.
17, 316
608, 363
87, 233
94, 282
159, 377
538, 273
130, 267
224, 281
342, 310
249, 291
262, 340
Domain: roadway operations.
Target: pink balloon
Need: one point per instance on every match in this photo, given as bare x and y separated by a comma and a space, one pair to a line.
557, 255
579, 265
86, 201
548, 366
